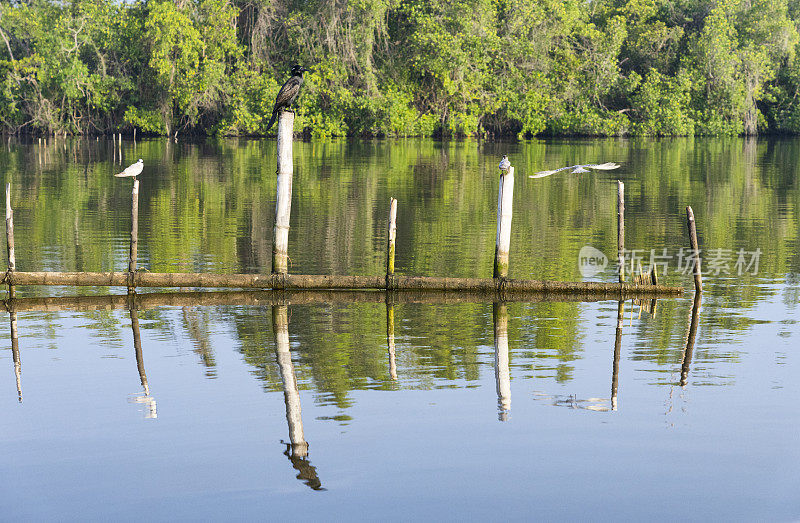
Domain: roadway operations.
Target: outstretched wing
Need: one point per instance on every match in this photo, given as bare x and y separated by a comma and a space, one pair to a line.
578, 169
604, 166
542, 174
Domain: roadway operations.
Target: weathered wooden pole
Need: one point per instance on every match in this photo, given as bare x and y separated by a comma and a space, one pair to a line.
12, 258
283, 201
501, 371
698, 277
134, 235
617, 350
392, 234
390, 340
291, 393
621, 229
505, 202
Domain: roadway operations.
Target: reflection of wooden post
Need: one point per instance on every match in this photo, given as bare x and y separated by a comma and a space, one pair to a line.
147, 400
15, 354
505, 202
617, 346
501, 371
392, 237
698, 278
134, 235
687, 353
283, 202
291, 393
390, 340
12, 257
137, 347
621, 229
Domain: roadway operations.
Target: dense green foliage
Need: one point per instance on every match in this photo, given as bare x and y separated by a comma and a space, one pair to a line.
402, 67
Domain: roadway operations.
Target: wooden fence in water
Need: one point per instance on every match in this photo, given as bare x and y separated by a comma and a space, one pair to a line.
279, 279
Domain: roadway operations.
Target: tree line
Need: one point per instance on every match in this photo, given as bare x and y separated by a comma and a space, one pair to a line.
402, 67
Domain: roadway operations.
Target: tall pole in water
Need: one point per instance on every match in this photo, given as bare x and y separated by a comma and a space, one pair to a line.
134, 235
283, 200
392, 237
505, 201
12, 258
621, 229
698, 277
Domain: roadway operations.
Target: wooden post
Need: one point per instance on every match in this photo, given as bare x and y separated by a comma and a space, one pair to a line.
291, 393
134, 235
621, 229
392, 237
12, 258
283, 201
698, 277
505, 201
501, 372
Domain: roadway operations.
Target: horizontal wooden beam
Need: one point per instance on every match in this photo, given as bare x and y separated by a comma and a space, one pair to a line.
306, 281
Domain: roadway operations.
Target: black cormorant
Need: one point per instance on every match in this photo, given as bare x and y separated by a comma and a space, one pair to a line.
288, 92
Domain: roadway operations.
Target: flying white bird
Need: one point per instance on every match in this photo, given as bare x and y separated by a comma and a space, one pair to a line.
504, 163
578, 169
132, 170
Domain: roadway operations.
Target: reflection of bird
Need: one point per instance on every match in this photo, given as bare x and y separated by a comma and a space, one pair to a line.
133, 170
578, 169
288, 92
504, 163
307, 472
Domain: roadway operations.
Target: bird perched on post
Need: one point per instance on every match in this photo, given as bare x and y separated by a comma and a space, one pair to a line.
504, 163
132, 170
578, 169
288, 93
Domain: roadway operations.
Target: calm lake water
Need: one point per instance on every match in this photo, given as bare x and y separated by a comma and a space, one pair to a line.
419, 407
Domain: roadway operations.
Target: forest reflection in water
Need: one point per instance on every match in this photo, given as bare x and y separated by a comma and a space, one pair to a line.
404, 396
297, 448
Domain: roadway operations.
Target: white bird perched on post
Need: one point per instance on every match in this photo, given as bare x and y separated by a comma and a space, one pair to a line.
132, 170
504, 163
578, 169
